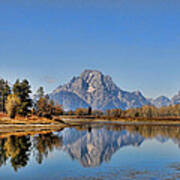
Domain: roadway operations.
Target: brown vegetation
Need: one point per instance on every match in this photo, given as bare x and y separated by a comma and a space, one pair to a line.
12, 105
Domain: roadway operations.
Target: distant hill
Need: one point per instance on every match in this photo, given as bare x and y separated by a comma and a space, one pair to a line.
165, 101
160, 101
93, 88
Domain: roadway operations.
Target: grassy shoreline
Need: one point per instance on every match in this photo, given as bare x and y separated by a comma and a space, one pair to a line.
27, 125
35, 125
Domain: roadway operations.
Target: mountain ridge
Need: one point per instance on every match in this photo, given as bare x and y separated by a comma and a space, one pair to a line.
94, 89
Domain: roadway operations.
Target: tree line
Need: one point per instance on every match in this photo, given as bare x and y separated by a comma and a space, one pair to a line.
146, 112
18, 101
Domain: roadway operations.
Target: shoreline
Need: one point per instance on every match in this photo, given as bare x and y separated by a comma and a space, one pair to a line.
75, 120
20, 127
7, 130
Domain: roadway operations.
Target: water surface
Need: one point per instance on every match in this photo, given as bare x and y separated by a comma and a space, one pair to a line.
93, 152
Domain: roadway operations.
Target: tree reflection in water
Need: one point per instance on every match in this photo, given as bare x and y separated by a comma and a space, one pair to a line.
44, 144
18, 149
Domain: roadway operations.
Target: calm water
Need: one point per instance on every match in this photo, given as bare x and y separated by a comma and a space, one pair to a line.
94, 152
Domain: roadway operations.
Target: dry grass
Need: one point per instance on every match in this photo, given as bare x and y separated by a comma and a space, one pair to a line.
4, 119
27, 125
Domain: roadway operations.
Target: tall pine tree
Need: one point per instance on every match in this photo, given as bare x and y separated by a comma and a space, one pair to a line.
4, 92
23, 91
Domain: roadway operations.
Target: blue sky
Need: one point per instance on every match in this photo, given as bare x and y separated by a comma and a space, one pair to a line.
136, 42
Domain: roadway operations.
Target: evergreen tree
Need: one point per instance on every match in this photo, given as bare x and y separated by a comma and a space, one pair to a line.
4, 92
23, 90
40, 93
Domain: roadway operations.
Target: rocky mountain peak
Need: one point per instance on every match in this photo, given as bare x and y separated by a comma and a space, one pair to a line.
138, 93
90, 73
98, 91
95, 79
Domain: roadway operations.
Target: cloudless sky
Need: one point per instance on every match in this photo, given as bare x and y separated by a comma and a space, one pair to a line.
137, 42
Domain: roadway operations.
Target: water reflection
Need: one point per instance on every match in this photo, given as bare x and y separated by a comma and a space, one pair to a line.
18, 149
90, 145
43, 144
93, 148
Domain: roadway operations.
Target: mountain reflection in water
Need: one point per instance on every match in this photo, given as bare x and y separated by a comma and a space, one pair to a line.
90, 145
